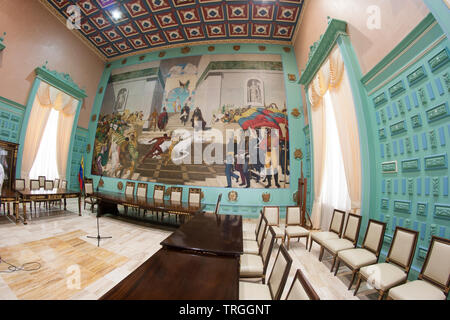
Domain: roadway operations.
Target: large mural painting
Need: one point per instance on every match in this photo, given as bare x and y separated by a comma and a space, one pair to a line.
196, 121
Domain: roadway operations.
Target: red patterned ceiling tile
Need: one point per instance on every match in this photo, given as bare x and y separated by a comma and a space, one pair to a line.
112, 34
128, 29
86, 27
98, 39
87, 6
174, 35
216, 30
195, 32
105, 3
212, 13
156, 38
283, 31
60, 3
207, 1
166, 19
262, 12
109, 50
100, 21
238, 29
122, 46
146, 24
261, 29
158, 5
136, 8
237, 11
293, 1
188, 16
287, 13
179, 3
138, 43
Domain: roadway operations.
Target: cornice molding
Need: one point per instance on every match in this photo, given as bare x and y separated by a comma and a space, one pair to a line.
60, 80
320, 50
2, 45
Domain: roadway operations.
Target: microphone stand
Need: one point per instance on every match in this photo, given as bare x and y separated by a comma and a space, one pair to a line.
98, 237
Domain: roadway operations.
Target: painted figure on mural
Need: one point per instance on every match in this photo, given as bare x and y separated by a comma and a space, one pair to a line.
121, 100
254, 92
158, 146
152, 121
185, 114
197, 116
163, 119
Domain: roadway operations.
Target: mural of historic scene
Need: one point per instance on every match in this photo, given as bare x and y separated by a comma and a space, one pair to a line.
163, 121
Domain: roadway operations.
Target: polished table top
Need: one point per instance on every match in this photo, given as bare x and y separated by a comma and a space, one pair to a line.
42, 191
149, 203
175, 275
211, 233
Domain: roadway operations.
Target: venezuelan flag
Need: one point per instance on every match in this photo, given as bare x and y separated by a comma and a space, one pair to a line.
81, 174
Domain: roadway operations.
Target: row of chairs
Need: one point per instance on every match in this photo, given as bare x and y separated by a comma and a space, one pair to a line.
255, 266
391, 276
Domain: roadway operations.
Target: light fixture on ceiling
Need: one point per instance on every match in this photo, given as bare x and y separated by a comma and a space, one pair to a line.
116, 15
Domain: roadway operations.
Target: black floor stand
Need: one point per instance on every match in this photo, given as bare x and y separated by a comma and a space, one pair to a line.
98, 235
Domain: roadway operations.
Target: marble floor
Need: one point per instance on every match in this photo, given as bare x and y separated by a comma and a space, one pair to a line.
58, 241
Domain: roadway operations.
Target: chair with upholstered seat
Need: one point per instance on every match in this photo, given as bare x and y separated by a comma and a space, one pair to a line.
141, 194
334, 231
129, 193
88, 191
369, 252
175, 197
195, 197
395, 270
273, 220
434, 278
158, 196
56, 183
64, 184
19, 185
301, 289
349, 239
275, 284
252, 246
294, 228
41, 180
252, 235
35, 185
255, 266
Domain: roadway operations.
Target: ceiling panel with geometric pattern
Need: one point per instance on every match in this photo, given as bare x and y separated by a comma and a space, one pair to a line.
121, 27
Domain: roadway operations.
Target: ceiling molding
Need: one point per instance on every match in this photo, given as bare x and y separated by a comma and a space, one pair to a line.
300, 20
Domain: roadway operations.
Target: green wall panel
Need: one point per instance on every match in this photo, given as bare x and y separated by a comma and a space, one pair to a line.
78, 151
11, 118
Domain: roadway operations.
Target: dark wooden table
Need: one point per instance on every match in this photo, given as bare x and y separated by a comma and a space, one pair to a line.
209, 233
8, 196
175, 275
108, 201
49, 195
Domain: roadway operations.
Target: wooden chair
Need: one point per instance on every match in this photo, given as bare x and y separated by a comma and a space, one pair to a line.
255, 266
294, 227
56, 183
434, 278
301, 289
141, 193
275, 285
348, 241
219, 199
129, 192
176, 196
195, 196
19, 185
64, 184
88, 191
252, 246
273, 219
252, 235
158, 196
369, 252
334, 231
395, 270
41, 181
35, 185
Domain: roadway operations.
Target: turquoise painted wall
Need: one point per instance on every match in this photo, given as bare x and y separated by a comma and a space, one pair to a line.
78, 151
11, 118
408, 98
249, 200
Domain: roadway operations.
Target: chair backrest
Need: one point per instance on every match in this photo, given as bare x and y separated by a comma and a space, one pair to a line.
19, 184
48, 185
64, 184
158, 192
195, 196
272, 215
262, 231
373, 240
142, 190
301, 289
219, 199
34, 185
402, 248
337, 222
258, 223
56, 183
266, 249
352, 228
41, 181
436, 268
293, 216
280, 272
129, 188
88, 186
176, 194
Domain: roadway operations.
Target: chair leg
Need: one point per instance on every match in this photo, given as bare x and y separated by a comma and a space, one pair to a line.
353, 279
321, 254
357, 285
288, 242
337, 266
334, 262
310, 244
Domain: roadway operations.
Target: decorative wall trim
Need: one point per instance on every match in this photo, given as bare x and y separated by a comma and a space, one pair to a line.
380, 100
389, 167
436, 162
402, 206
11, 103
396, 89
321, 49
410, 165
422, 209
439, 60
442, 211
438, 113
416, 76
2, 45
398, 128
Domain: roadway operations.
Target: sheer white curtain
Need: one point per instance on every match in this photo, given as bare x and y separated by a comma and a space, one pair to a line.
334, 193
